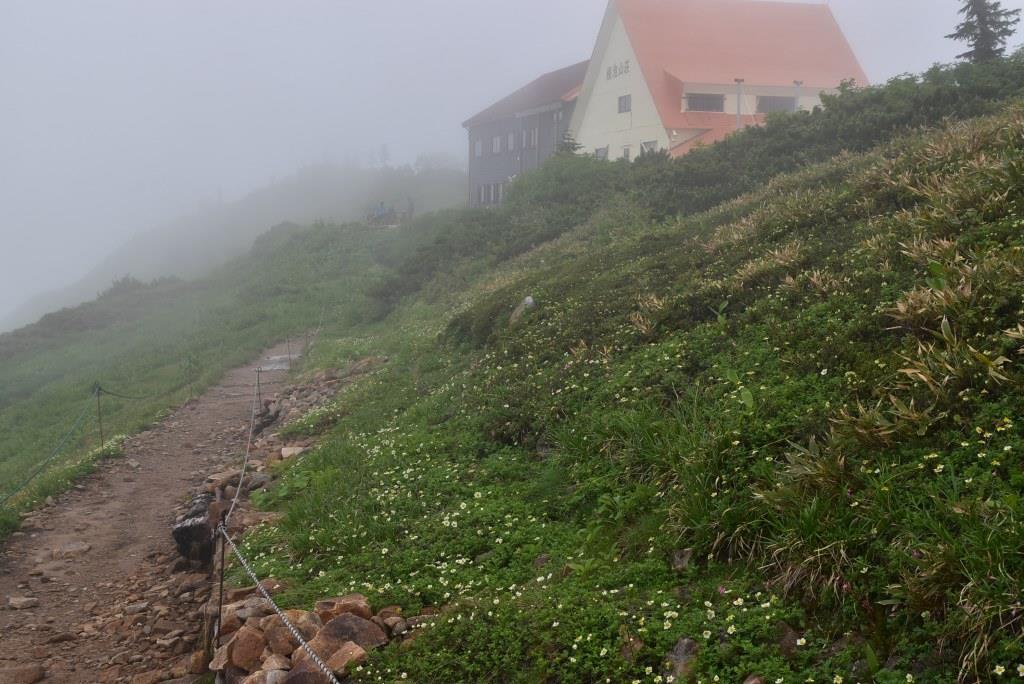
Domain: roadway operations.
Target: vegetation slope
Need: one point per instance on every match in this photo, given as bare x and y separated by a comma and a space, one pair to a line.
783, 424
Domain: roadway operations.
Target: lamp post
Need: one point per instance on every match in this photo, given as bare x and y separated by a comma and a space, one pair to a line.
799, 86
739, 102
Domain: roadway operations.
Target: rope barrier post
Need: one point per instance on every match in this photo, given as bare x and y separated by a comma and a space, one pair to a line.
220, 596
259, 389
99, 412
288, 341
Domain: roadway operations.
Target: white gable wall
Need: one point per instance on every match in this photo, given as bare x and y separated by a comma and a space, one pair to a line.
597, 122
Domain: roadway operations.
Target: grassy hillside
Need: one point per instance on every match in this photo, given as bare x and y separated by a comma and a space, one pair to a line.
768, 400
810, 393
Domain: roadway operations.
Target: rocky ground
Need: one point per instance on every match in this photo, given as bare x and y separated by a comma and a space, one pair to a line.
92, 588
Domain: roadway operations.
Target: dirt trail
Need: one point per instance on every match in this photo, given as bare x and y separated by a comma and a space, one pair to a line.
123, 513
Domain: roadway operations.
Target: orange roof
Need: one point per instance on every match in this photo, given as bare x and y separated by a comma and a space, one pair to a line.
717, 41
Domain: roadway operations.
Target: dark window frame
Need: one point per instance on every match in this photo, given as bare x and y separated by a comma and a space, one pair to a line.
773, 104
705, 102
625, 104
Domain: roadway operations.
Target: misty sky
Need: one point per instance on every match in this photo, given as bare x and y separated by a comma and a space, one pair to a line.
117, 115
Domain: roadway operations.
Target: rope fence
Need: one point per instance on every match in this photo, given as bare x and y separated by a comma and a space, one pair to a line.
225, 539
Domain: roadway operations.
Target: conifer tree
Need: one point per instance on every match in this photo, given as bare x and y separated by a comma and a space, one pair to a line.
986, 26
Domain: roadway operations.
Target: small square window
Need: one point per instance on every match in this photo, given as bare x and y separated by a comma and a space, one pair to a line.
649, 147
625, 104
601, 153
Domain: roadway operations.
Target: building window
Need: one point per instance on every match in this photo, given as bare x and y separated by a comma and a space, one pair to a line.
534, 137
627, 153
511, 142
649, 147
601, 153
625, 104
480, 194
523, 146
705, 102
478, 147
769, 104
501, 192
496, 145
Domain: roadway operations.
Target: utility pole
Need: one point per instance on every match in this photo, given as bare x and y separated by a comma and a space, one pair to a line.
739, 103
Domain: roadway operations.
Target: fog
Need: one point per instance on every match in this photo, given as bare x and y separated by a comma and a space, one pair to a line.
118, 115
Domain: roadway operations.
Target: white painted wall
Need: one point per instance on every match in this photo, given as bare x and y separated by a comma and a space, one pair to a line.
597, 122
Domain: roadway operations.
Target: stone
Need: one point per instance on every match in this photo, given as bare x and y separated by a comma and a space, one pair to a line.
680, 661
306, 673
681, 559
149, 678
27, 674
246, 648
71, 550
389, 612
292, 452
277, 662
520, 311
22, 602
238, 595
349, 655
357, 604
279, 637
198, 662
136, 608
396, 625
266, 677
787, 638
221, 658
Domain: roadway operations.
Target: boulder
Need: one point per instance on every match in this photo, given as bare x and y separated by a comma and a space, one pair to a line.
357, 604
26, 674
292, 452
279, 637
348, 656
338, 632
